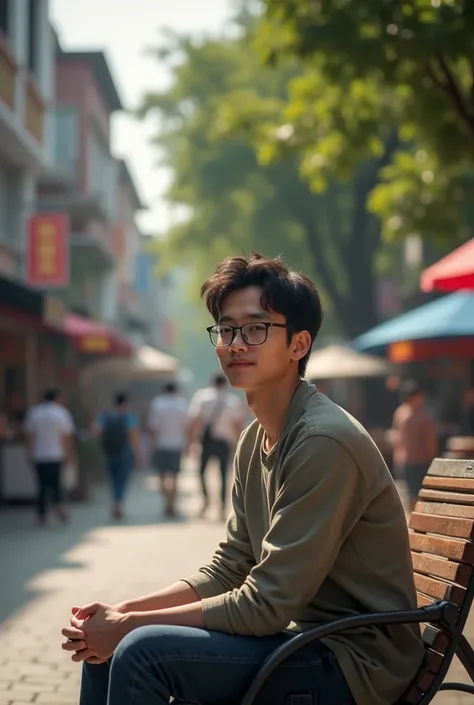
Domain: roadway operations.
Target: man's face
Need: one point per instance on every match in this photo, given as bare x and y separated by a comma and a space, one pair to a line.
248, 366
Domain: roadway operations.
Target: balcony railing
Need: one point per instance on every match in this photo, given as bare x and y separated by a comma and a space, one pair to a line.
7, 75
34, 113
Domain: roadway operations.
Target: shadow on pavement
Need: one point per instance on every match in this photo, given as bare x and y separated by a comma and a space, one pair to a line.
28, 551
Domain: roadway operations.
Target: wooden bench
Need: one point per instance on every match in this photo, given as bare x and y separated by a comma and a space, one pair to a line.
442, 544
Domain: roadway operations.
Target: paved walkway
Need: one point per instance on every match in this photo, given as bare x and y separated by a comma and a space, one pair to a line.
45, 572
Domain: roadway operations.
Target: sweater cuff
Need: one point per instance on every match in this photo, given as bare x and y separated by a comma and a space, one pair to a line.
215, 613
202, 584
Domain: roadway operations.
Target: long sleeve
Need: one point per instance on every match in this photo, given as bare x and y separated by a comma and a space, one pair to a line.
321, 496
234, 557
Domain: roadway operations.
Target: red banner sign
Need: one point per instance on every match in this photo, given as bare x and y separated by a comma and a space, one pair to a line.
48, 250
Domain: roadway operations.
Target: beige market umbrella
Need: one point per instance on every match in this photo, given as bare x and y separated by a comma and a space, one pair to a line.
146, 363
340, 362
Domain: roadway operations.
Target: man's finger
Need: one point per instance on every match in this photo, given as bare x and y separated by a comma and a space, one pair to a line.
73, 633
87, 610
75, 610
95, 660
74, 645
75, 622
83, 655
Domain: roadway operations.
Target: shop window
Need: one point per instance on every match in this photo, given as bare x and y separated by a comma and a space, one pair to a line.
4, 17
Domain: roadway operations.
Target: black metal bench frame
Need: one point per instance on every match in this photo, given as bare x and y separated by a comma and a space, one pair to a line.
445, 615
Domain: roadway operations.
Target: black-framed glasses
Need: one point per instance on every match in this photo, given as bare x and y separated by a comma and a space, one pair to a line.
222, 335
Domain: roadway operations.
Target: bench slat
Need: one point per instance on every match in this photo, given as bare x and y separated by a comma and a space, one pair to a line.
457, 550
450, 497
413, 696
439, 590
434, 638
445, 526
442, 467
441, 568
444, 509
448, 483
423, 600
433, 661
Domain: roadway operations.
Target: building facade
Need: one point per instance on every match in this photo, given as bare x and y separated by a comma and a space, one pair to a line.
82, 180
26, 93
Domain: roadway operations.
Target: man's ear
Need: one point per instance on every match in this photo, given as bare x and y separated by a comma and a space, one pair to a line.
300, 345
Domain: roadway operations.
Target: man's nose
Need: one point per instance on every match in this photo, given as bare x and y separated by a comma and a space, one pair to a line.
238, 343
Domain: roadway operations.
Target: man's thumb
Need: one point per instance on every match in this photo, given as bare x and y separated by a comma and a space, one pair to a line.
87, 610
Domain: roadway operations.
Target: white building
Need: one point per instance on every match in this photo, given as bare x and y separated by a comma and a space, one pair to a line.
26, 93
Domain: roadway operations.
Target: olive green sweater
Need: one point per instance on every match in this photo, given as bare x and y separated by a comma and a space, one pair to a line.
317, 533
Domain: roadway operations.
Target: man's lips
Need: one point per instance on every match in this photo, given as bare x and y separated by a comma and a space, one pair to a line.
240, 363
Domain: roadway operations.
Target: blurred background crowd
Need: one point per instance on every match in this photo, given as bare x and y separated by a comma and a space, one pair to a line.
337, 133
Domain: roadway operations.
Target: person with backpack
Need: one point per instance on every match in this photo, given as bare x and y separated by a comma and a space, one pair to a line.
118, 432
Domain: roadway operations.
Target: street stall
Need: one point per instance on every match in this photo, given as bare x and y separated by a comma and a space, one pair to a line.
340, 371
435, 344
143, 375
33, 353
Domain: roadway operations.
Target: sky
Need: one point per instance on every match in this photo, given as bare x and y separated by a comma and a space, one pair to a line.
124, 28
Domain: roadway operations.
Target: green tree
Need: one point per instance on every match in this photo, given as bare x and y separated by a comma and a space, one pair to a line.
421, 48
214, 125
408, 61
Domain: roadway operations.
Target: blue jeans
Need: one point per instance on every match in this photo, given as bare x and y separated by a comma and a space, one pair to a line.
119, 466
152, 664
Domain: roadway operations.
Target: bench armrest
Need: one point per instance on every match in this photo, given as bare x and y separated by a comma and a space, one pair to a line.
441, 612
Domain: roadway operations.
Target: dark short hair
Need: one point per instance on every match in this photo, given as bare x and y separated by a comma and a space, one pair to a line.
120, 398
51, 394
170, 387
283, 291
219, 380
410, 388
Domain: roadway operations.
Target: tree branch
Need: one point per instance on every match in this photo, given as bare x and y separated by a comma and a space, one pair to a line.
363, 185
314, 242
455, 94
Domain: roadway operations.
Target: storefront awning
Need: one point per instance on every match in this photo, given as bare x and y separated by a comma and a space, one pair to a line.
448, 317
453, 272
36, 308
93, 338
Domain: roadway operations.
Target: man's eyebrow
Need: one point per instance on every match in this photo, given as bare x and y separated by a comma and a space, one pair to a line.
256, 316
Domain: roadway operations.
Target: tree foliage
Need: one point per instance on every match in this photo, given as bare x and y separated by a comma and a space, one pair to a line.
215, 125
407, 62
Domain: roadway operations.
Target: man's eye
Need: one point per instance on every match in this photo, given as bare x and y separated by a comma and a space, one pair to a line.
224, 330
256, 328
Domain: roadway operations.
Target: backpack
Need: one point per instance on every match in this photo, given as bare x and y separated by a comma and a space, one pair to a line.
114, 433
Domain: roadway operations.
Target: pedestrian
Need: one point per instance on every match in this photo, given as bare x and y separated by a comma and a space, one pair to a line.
49, 431
415, 441
119, 435
216, 421
317, 533
168, 424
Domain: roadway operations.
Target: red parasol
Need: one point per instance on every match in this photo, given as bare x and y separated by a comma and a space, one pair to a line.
453, 272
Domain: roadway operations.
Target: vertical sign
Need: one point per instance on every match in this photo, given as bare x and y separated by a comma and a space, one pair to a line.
48, 251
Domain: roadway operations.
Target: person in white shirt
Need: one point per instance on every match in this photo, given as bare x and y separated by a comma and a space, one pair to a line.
217, 420
168, 424
49, 432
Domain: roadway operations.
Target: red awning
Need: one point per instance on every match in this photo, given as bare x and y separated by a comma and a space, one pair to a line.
453, 272
92, 338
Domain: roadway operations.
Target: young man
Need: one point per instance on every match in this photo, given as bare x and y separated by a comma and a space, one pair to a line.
49, 432
216, 420
415, 438
168, 424
317, 533
118, 432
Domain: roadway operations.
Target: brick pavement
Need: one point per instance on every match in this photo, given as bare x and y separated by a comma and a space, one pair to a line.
45, 572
